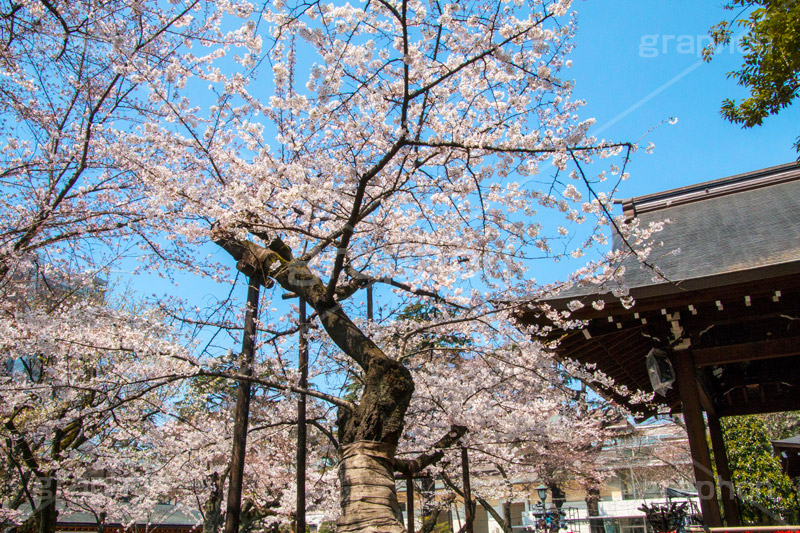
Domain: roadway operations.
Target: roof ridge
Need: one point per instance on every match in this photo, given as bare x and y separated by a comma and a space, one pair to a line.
711, 189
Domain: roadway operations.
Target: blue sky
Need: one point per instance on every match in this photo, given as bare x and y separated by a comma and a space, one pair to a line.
637, 63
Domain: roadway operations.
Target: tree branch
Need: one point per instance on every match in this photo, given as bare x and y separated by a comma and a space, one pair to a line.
412, 466
335, 400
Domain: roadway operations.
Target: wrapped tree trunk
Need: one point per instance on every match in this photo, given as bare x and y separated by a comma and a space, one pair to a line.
369, 500
368, 440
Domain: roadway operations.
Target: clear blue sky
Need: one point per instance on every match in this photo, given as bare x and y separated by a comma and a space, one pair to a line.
637, 62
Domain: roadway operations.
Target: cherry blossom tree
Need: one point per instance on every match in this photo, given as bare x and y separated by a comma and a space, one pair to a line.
98, 420
72, 76
527, 425
432, 149
409, 159
79, 375
185, 459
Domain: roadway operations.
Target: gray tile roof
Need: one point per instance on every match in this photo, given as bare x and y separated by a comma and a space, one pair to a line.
791, 442
734, 225
724, 229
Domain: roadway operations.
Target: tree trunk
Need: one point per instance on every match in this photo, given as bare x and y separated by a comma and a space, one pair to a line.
368, 501
212, 509
507, 517
469, 506
368, 435
46, 513
593, 509
559, 496
368, 440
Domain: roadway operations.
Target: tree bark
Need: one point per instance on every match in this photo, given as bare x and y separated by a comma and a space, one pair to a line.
212, 509
559, 497
503, 521
46, 513
469, 506
507, 518
368, 439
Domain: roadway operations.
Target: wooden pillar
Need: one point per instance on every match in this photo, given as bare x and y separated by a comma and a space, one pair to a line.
242, 409
729, 503
469, 510
410, 503
369, 302
302, 364
696, 431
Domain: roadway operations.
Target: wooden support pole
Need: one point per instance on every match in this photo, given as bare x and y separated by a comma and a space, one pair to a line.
696, 431
48, 514
369, 302
302, 364
410, 503
242, 409
469, 515
729, 503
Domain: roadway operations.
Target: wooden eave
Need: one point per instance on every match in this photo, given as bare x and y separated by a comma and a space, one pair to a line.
677, 293
730, 322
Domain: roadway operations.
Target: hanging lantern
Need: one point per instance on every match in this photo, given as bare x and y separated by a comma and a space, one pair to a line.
660, 371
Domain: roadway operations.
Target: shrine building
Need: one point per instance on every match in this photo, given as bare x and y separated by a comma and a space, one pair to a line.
715, 326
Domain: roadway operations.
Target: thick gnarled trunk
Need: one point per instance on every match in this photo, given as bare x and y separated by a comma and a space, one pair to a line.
368, 440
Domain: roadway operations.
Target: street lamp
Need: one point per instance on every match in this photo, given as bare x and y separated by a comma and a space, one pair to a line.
549, 519
542, 491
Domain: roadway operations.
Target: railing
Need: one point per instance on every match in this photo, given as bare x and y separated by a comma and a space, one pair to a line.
745, 529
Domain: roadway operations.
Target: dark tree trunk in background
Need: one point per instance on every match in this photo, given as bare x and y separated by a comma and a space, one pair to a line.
46, 513
212, 509
593, 509
242, 409
469, 508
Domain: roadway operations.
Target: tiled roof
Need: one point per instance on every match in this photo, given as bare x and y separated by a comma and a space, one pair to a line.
731, 294
740, 228
735, 224
791, 442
